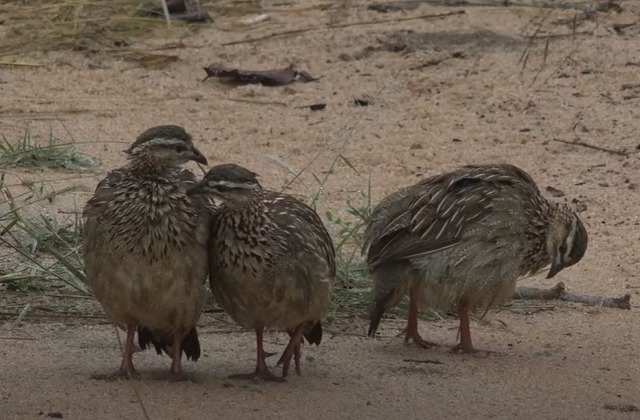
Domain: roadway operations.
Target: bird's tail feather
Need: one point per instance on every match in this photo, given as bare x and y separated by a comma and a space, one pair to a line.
313, 333
190, 343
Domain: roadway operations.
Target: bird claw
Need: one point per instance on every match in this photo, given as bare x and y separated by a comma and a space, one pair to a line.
419, 341
458, 348
285, 360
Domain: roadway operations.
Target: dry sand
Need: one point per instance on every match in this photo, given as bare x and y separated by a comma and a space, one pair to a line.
443, 92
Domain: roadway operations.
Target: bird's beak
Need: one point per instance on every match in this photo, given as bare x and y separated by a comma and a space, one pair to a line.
556, 266
197, 156
197, 188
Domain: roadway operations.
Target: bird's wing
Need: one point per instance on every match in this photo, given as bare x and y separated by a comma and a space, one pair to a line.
289, 213
104, 193
438, 212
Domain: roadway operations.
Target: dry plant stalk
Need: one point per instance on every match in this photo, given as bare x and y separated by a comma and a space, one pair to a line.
86, 25
559, 292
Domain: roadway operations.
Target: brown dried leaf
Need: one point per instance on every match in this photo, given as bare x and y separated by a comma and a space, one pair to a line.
278, 77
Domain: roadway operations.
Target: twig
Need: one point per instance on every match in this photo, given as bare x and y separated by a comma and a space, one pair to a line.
250, 101
10, 64
343, 332
539, 4
627, 86
435, 362
167, 16
558, 292
66, 296
23, 313
17, 338
569, 56
343, 25
591, 146
57, 315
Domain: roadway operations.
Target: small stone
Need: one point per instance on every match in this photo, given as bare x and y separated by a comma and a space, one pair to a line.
555, 192
580, 206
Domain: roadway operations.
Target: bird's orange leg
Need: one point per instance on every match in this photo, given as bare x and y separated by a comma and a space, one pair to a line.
465, 332
412, 325
126, 371
293, 350
262, 370
175, 373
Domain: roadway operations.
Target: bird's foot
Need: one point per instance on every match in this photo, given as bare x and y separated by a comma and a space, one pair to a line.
291, 352
419, 341
117, 375
459, 348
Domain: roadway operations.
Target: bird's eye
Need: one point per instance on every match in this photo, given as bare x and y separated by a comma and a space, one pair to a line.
181, 149
223, 188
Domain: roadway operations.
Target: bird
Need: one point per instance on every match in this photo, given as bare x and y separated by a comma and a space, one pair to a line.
458, 241
144, 247
271, 262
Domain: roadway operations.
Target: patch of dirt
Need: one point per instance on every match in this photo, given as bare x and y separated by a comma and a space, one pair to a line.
424, 116
476, 41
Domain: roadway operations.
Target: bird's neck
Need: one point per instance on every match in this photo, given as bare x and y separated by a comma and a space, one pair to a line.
537, 256
249, 213
153, 168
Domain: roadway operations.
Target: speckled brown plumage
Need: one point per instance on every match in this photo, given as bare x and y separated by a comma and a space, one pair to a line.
272, 262
145, 247
460, 240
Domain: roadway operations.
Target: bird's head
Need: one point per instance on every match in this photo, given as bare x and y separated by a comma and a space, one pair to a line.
165, 145
229, 183
566, 239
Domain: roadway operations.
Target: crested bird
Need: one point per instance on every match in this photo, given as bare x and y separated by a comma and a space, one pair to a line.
460, 240
145, 248
272, 262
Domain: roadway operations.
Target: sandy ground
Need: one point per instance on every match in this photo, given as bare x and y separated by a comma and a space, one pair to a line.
444, 92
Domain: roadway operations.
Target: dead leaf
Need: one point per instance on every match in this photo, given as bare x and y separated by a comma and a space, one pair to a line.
279, 77
555, 192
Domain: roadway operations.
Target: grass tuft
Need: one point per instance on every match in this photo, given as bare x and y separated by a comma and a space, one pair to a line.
81, 25
353, 289
38, 251
53, 155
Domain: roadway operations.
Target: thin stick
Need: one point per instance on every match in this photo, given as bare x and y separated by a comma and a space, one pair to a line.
584, 6
435, 362
56, 315
9, 64
344, 25
249, 101
559, 292
165, 9
17, 338
590, 146
63, 296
